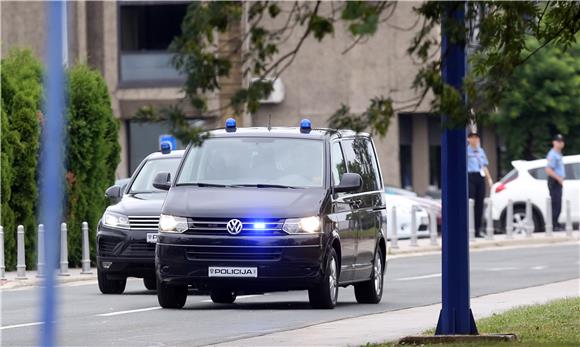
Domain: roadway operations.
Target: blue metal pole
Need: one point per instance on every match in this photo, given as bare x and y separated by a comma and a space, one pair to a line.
456, 316
52, 165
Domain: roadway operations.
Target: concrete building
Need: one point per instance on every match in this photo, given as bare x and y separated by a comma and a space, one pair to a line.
128, 42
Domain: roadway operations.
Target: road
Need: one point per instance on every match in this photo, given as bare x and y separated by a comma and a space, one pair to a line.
88, 318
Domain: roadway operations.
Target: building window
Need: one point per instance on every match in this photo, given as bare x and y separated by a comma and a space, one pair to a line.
406, 150
434, 152
145, 34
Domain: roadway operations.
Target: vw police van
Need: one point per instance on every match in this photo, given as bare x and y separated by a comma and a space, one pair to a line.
266, 209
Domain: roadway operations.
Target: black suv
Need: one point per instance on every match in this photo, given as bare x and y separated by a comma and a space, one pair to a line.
266, 209
127, 232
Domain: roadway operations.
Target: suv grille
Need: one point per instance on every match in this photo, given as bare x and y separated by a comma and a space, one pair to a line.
217, 226
107, 247
144, 223
140, 249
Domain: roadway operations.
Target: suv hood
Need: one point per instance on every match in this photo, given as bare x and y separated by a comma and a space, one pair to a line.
213, 202
140, 204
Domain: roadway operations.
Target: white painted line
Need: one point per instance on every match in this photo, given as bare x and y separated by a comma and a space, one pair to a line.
237, 298
418, 277
127, 312
539, 267
506, 268
21, 325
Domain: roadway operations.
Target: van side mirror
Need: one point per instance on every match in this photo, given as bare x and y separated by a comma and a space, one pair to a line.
350, 183
162, 181
114, 193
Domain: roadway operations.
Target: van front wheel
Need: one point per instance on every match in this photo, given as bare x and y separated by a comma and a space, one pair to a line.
171, 296
325, 294
371, 291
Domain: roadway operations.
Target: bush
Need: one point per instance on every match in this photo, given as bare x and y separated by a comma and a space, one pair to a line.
21, 99
92, 154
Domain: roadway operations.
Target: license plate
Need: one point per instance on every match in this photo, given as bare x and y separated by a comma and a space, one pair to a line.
152, 238
222, 271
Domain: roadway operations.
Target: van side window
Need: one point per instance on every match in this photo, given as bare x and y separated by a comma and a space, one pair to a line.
337, 162
360, 159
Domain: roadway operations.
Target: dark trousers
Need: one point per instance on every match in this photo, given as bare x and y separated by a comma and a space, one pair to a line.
477, 193
555, 189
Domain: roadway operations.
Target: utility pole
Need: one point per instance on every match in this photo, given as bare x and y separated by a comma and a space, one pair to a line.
455, 317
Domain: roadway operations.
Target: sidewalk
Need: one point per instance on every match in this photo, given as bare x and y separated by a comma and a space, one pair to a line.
424, 244
392, 325
32, 280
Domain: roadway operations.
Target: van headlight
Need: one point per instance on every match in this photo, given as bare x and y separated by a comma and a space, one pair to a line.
307, 225
172, 224
115, 220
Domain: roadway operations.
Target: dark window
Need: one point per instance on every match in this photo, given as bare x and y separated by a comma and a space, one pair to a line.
405, 149
512, 175
360, 159
337, 162
434, 123
150, 27
572, 171
538, 173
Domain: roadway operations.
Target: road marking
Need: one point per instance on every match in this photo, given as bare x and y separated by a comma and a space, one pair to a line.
506, 268
21, 325
418, 277
129, 311
539, 267
237, 298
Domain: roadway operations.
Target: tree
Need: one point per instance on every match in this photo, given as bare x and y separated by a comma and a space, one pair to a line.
541, 99
499, 29
21, 103
92, 156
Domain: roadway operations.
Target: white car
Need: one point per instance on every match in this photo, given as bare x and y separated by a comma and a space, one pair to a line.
528, 180
403, 207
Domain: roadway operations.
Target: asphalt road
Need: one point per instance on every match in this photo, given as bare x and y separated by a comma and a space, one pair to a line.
88, 318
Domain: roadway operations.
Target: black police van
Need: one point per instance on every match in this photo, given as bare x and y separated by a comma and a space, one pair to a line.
127, 232
266, 209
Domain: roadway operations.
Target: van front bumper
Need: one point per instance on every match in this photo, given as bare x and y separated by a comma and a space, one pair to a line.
282, 262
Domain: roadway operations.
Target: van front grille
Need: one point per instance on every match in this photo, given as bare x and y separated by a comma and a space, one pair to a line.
250, 227
234, 253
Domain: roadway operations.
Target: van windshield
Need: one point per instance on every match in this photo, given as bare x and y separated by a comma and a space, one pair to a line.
255, 161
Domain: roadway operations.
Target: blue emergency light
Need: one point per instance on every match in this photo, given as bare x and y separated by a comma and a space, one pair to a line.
230, 124
305, 125
165, 147
259, 225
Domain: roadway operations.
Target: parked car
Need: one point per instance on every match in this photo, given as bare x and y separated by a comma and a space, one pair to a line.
127, 232
428, 203
526, 181
404, 205
267, 209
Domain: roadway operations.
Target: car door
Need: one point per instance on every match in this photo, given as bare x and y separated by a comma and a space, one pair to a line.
571, 192
343, 216
368, 205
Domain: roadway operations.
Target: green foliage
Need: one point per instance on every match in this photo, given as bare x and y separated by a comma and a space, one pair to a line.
541, 99
21, 100
92, 155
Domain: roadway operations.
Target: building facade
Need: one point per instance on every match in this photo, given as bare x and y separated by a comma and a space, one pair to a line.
128, 42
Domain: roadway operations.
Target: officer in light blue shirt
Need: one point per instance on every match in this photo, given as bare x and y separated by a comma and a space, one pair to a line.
556, 175
477, 172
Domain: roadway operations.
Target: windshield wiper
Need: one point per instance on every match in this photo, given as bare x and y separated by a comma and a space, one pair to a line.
202, 184
263, 185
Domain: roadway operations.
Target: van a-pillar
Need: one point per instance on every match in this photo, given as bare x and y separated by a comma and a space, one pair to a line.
456, 317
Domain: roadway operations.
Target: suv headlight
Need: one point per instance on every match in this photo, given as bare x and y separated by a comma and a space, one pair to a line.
115, 220
307, 225
172, 224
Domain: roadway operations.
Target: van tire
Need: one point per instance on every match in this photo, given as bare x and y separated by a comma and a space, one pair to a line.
150, 283
325, 295
371, 291
171, 296
107, 286
222, 296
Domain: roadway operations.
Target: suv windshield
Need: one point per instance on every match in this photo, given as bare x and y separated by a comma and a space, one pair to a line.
144, 181
255, 161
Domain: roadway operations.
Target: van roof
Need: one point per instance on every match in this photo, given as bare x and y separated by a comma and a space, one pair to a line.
287, 132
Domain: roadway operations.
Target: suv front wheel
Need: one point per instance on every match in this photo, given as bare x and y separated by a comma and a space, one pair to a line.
107, 286
171, 296
371, 291
325, 294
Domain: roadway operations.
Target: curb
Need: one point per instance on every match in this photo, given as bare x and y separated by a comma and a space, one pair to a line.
32, 280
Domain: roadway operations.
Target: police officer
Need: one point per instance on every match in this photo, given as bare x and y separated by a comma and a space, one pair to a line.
556, 175
477, 174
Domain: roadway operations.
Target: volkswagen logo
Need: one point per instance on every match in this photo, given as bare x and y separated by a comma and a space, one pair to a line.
234, 226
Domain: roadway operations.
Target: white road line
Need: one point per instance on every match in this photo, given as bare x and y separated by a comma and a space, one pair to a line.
21, 325
237, 298
418, 277
539, 267
506, 268
109, 314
